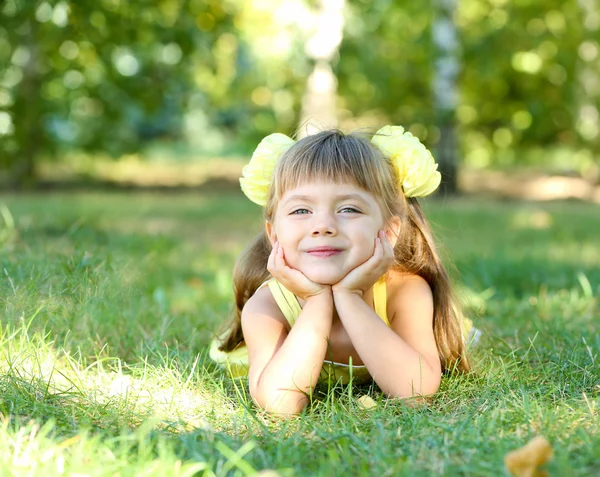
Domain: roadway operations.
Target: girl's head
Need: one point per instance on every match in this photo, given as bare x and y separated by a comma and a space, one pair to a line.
328, 195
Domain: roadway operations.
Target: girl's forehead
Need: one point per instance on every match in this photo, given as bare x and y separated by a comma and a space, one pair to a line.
318, 187
327, 190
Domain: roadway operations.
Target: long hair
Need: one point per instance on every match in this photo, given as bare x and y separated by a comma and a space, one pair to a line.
340, 158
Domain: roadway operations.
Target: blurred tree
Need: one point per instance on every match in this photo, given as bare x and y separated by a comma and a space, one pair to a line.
519, 82
520, 85
319, 108
445, 92
270, 83
110, 75
89, 75
385, 67
588, 77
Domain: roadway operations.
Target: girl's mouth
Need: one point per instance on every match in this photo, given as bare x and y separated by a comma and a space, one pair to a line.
323, 252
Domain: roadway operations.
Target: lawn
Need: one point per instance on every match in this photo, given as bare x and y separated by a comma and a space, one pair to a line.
109, 301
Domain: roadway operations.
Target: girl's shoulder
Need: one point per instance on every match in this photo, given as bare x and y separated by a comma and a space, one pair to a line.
398, 281
407, 291
263, 304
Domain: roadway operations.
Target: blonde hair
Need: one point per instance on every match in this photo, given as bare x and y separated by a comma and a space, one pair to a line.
351, 158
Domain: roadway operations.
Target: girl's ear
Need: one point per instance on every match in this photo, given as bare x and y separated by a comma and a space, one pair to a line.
393, 230
270, 232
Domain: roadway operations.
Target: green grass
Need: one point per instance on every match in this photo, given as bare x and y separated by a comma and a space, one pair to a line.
109, 301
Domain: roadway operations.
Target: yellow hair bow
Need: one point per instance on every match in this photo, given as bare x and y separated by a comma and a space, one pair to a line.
257, 174
416, 167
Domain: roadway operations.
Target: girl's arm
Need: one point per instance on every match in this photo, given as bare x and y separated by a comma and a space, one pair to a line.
285, 366
403, 359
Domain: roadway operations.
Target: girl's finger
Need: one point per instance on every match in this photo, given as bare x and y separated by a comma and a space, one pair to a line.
373, 262
286, 271
279, 259
378, 248
384, 254
277, 266
387, 245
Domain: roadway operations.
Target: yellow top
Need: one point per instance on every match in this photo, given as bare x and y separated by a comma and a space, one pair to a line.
237, 360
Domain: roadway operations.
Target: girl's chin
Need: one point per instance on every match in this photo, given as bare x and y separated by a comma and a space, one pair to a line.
323, 277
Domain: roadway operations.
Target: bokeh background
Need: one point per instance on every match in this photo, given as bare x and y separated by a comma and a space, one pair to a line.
179, 92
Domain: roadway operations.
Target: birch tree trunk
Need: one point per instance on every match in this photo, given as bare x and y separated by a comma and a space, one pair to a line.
588, 117
447, 65
319, 100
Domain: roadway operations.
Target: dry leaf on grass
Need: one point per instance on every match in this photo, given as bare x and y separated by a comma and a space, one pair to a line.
525, 462
366, 402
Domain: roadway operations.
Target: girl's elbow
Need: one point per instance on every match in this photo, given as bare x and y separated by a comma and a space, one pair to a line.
274, 399
282, 403
408, 394
426, 387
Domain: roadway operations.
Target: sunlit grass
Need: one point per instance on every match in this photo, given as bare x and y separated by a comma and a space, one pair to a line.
109, 300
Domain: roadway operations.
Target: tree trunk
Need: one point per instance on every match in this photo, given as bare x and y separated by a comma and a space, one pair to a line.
319, 101
445, 93
589, 79
28, 129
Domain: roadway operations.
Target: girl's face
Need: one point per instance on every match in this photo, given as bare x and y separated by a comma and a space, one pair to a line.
326, 229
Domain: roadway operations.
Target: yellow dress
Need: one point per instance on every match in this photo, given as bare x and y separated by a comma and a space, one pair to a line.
237, 360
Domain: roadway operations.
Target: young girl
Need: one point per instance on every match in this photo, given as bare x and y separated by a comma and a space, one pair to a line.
344, 282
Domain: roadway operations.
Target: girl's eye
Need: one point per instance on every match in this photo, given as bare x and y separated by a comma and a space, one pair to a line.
350, 210
299, 212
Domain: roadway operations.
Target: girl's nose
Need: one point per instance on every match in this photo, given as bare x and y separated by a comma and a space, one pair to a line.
324, 224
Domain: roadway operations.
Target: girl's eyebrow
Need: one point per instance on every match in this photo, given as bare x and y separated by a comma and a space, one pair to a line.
351, 196
302, 198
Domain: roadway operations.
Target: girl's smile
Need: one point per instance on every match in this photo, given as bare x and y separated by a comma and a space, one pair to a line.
326, 229
324, 251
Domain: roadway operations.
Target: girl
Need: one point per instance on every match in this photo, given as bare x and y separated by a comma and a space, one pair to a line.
345, 282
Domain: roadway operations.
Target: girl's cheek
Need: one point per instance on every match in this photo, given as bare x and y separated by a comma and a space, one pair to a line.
365, 255
292, 260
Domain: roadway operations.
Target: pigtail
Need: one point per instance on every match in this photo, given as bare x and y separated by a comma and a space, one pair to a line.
249, 274
416, 254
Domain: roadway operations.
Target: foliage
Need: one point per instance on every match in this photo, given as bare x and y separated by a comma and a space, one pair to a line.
110, 300
521, 85
390, 74
112, 75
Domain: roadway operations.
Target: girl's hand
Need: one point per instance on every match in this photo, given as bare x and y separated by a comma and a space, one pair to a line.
363, 277
292, 279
